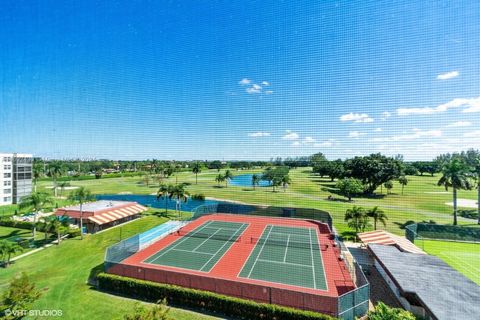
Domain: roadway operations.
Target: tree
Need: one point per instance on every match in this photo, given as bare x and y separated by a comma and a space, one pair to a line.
179, 193
255, 180
356, 218
36, 201
455, 175
81, 195
336, 169
146, 179
196, 169
216, 164
7, 248
275, 175
228, 176
20, 296
55, 170
164, 192
62, 185
37, 173
378, 216
286, 181
403, 182
373, 170
219, 178
349, 187
383, 312
159, 311
389, 186
472, 158
59, 228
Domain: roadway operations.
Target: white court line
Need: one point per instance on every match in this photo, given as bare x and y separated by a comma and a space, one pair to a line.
199, 252
286, 249
261, 249
313, 263
180, 241
205, 240
226, 242
286, 263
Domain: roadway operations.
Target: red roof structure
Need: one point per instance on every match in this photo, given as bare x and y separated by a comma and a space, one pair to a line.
386, 238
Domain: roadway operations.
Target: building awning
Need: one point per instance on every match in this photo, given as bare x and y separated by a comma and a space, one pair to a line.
116, 214
386, 238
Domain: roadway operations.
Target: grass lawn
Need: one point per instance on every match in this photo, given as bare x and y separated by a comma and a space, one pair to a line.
422, 200
465, 257
14, 233
62, 272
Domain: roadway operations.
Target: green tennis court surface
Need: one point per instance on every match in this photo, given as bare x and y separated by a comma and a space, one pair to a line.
287, 255
201, 248
464, 257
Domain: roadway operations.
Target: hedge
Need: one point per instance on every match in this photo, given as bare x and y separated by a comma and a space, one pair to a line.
92, 177
205, 300
8, 222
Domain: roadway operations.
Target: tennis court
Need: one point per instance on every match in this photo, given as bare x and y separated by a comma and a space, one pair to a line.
201, 248
287, 255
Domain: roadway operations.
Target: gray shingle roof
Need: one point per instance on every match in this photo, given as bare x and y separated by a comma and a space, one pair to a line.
445, 292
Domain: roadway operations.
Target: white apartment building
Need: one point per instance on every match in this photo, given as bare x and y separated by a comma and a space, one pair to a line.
15, 177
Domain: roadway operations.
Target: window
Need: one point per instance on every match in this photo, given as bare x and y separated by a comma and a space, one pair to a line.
7, 183
7, 175
7, 199
7, 191
7, 167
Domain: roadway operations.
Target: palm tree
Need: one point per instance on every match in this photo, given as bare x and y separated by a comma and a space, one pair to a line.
356, 218
228, 176
388, 185
55, 170
179, 193
146, 179
7, 248
37, 173
403, 182
286, 180
377, 215
219, 178
81, 195
196, 169
59, 228
62, 185
473, 160
164, 192
35, 201
255, 180
455, 174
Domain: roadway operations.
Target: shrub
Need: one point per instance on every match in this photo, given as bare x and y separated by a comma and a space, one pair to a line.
383, 312
198, 196
8, 222
192, 298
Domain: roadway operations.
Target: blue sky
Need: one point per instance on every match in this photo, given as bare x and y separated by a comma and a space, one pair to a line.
238, 80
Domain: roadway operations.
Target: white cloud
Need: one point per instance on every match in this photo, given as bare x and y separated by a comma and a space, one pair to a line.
356, 134
327, 143
448, 75
416, 134
265, 83
244, 82
460, 124
296, 144
472, 134
268, 92
356, 117
290, 135
471, 105
386, 115
378, 130
308, 140
253, 90
259, 134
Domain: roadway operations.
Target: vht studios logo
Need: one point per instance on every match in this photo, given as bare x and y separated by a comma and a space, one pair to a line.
33, 313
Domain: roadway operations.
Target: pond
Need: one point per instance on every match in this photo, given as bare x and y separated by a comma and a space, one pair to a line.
151, 201
245, 180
